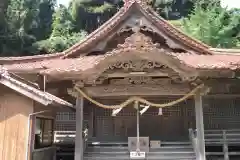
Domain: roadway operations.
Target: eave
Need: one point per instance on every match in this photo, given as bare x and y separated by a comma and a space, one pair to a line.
225, 51
26, 59
44, 98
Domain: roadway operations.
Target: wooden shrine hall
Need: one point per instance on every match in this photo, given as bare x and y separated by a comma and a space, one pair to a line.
142, 89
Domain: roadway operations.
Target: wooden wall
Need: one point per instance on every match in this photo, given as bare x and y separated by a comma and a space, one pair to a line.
14, 112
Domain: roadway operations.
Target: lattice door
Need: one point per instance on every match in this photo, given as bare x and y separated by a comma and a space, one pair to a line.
221, 113
104, 128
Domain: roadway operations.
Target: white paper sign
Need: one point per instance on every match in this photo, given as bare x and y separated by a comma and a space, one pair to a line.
160, 112
137, 155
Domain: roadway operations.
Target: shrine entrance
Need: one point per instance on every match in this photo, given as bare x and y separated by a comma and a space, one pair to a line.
142, 124
167, 124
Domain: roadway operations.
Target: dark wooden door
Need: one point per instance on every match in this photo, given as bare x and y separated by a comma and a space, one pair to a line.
170, 126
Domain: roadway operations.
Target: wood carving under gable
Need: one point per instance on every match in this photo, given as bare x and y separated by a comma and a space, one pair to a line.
138, 40
136, 65
139, 80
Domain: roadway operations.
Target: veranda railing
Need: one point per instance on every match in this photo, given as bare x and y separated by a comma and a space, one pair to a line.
224, 138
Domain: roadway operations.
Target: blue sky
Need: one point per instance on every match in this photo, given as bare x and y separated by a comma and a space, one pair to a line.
230, 3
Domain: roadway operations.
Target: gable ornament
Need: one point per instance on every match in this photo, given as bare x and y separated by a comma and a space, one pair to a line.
136, 66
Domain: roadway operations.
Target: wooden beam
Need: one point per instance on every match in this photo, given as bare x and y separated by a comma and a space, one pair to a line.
200, 126
79, 130
121, 74
216, 73
140, 90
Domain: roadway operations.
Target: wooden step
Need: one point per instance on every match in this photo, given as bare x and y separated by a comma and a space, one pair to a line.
117, 157
106, 149
168, 151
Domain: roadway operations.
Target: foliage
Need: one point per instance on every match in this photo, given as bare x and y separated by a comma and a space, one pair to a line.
177, 23
62, 22
90, 14
37, 26
63, 33
44, 19
163, 6
213, 25
25, 23
59, 43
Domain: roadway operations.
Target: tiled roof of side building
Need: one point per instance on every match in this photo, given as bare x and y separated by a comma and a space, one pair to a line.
31, 92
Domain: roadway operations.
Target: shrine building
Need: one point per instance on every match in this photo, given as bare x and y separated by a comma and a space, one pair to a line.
135, 88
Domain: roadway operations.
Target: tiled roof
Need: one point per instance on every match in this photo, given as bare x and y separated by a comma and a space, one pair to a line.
9, 80
24, 59
60, 66
216, 61
54, 64
60, 62
231, 62
225, 51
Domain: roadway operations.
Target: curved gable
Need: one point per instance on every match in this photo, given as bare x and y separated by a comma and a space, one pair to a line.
136, 14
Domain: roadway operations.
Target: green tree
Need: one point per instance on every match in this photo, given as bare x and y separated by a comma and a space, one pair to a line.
24, 25
90, 14
20, 17
43, 26
3, 22
63, 23
213, 25
164, 7
64, 33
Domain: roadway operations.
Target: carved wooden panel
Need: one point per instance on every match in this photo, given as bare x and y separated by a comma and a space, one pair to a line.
138, 80
137, 41
136, 65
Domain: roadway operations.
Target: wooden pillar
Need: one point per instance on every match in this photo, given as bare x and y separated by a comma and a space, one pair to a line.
136, 105
200, 126
79, 130
225, 146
